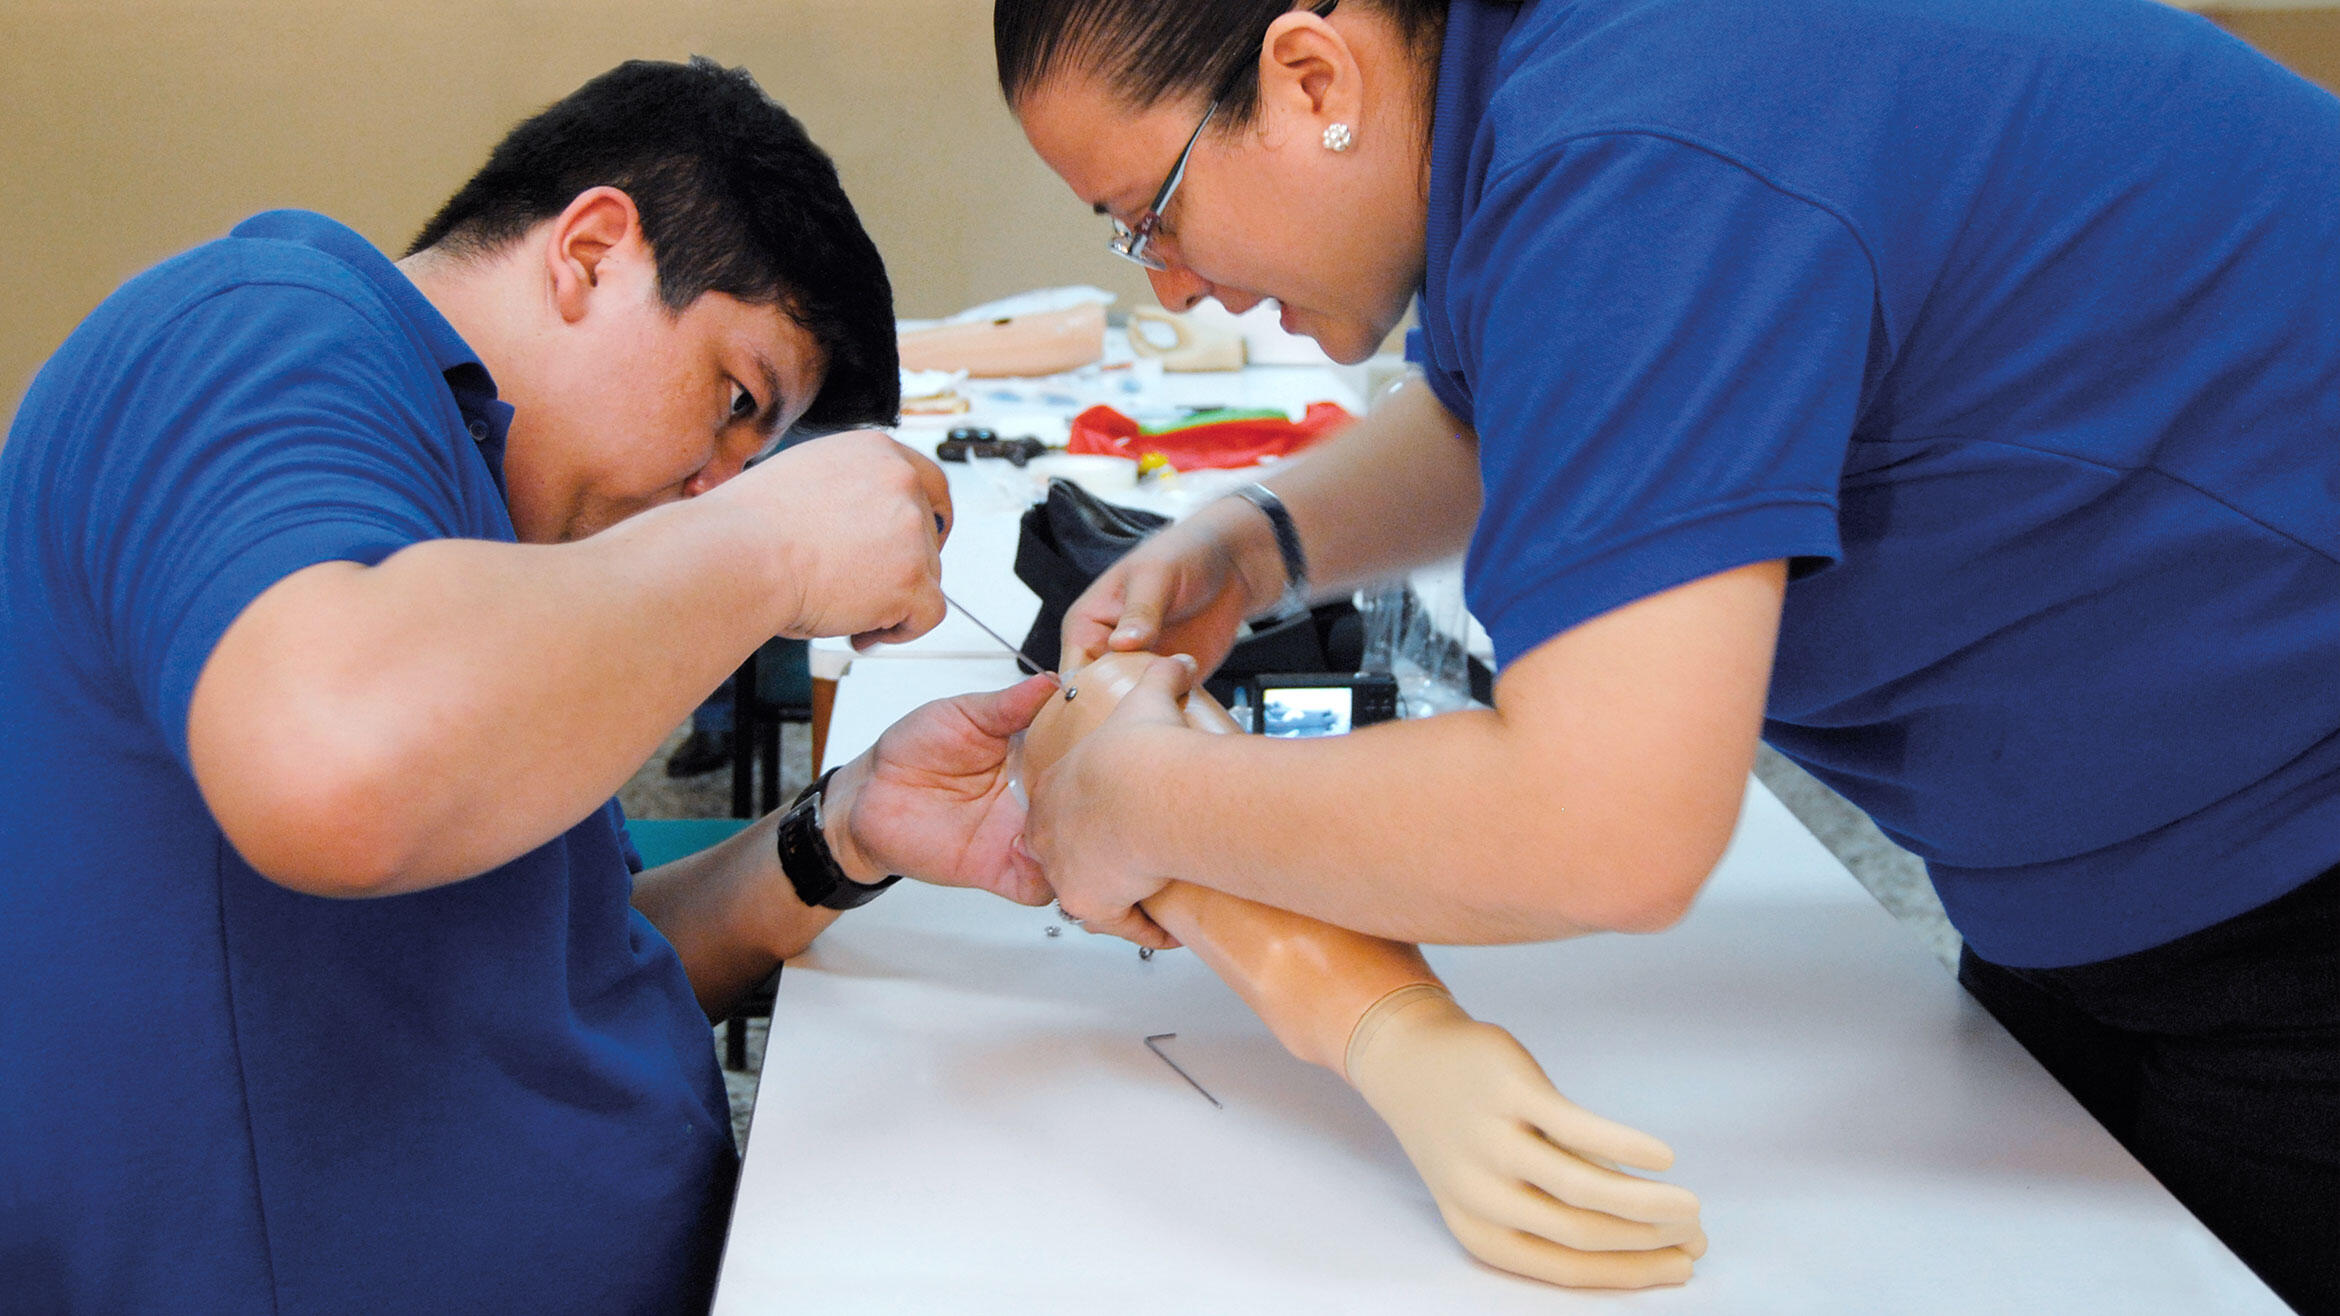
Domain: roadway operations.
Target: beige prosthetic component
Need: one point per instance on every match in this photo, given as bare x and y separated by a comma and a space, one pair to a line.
1524, 1178
1039, 343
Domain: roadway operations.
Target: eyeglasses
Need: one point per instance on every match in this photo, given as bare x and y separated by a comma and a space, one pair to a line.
1135, 242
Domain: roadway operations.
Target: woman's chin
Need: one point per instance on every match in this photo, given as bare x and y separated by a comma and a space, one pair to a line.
1345, 341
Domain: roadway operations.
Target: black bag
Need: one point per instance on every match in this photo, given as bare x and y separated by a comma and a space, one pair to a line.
1070, 537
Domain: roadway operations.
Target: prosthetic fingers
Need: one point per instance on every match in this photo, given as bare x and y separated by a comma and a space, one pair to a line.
1525, 1179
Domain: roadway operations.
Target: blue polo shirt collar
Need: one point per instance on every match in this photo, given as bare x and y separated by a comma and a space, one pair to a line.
487, 417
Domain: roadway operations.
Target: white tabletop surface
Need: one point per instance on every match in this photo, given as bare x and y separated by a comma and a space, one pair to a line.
957, 1114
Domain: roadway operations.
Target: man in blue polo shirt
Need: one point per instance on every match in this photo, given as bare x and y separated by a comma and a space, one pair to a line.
336, 599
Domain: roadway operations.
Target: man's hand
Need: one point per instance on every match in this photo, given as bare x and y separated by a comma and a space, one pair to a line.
1071, 829
859, 522
931, 799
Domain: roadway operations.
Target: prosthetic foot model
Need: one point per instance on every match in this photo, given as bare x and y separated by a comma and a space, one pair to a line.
1526, 1179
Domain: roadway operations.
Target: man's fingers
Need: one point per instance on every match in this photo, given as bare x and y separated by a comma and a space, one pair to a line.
937, 489
1022, 882
926, 612
999, 714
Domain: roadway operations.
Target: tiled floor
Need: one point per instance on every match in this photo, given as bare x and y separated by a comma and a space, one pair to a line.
1892, 874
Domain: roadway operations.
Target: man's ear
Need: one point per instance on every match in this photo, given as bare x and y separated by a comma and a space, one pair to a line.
601, 224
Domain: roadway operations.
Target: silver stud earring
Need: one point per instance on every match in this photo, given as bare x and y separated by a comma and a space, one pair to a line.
1337, 137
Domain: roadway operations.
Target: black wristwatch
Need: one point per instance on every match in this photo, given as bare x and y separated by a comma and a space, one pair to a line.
805, 856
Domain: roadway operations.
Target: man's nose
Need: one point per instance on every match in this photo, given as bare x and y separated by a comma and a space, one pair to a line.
725, 464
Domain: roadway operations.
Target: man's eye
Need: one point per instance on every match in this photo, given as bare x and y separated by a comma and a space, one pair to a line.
743, 403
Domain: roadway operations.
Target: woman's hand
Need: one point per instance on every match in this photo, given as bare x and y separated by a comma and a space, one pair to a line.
1082, 754
1184, 590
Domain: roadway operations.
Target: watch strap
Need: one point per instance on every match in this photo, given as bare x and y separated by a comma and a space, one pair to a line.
807, 860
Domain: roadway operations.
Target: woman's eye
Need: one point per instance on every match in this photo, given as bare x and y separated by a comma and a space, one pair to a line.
743, 403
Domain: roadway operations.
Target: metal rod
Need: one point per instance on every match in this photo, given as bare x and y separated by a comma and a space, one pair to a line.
1029, 666
1165, 1058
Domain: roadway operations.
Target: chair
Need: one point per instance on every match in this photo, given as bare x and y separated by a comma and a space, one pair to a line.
664, 840
771, 689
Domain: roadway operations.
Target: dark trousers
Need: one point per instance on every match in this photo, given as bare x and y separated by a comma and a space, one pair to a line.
2215, 1059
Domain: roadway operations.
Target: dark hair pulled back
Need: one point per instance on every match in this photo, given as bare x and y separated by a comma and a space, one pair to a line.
1148, 51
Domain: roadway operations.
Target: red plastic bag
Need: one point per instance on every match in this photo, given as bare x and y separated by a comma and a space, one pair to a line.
1220, 444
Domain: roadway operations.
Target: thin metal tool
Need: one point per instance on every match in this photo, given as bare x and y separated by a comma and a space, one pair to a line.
1029, 666
1165, 1058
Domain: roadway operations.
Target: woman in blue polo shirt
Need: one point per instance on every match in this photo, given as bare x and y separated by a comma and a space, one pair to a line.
1945, 391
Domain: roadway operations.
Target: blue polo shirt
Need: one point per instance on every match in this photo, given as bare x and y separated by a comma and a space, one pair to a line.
219, 1095
2015, 326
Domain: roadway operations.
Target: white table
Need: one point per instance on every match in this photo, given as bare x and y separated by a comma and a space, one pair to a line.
957, 1114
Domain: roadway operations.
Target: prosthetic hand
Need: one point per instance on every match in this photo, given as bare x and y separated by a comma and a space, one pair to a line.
1522, 1175
1526, 1180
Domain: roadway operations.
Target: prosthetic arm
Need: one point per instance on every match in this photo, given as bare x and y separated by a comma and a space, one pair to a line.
1525, 1179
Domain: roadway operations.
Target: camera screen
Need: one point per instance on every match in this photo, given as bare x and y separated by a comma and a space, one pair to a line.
1304, 711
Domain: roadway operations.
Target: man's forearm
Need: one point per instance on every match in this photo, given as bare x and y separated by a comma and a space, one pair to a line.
731, 915
384, 729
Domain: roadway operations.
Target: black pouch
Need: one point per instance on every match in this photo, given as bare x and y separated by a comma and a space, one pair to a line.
1071, 536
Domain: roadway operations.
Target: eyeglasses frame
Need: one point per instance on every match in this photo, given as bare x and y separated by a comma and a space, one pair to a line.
1133, 242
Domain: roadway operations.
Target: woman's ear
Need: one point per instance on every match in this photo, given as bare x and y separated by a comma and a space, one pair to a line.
1308, 78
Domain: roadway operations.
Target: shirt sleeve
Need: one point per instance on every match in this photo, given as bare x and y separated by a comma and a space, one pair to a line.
1667, 357
265, 429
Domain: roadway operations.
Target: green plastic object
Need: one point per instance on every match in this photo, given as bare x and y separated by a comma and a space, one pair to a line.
1214, 416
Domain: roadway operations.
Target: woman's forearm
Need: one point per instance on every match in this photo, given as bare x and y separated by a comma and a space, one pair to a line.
1397, 490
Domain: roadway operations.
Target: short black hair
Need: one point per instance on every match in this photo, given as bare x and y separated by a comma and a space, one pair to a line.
733, 197
1146, 51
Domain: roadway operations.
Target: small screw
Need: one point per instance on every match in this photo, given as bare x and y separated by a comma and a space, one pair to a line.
1145, 952
1070, 691
1054, 930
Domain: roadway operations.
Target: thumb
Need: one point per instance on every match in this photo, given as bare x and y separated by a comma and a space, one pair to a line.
1143, 595
1002, 713
1166, 681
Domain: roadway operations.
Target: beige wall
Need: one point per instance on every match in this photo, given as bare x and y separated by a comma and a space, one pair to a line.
2304, 36
131, 129
136, 128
